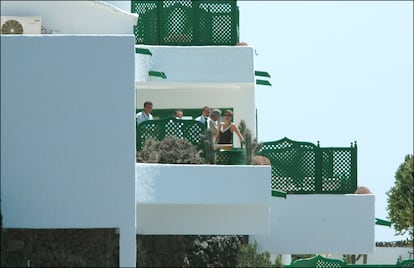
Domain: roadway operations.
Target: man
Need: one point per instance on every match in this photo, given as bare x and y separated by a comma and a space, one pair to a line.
204, 117
215, 117
178, 114
146, 114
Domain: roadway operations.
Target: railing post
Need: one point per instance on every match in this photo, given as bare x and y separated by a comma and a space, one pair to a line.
196, 22
137, 137
159, 5
354, 169
235, 25
318, 169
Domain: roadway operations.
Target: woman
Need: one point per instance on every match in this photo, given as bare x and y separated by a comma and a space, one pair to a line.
226, 129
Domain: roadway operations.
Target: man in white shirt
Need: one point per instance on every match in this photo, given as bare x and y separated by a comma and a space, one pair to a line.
204, 117
146, 114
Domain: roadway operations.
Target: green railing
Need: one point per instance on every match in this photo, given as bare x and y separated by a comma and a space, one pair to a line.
322, 262
297, 167
236, 156
186, 22
190, 130
318, 262
306, 168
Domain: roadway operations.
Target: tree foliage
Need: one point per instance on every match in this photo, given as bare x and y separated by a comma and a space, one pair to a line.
250, 257
400, 198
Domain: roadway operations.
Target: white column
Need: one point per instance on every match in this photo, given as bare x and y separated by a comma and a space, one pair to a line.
127, 247
286, 259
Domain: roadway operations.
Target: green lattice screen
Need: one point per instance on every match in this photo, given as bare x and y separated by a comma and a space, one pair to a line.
303, 167
318, 262
146, 31
322, 262
406, 263
190, 130
186, 22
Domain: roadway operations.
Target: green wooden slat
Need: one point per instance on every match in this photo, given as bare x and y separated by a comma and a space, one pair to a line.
261, 73
263, 82
140, 50
382, 222
279, 194
157, 74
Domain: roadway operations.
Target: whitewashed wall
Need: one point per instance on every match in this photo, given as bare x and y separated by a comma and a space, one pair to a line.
316, 224
68, 134
74, 17
202, 199
216, 76
199, 64
384, 255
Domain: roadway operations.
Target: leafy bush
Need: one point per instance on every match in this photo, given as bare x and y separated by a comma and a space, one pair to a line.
207, 140
171, 150
215, 251
188, 250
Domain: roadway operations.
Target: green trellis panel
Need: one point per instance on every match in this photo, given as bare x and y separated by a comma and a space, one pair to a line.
186, 22
147, 29
190, 130
231, 157
322, 262
318, 262
306, 168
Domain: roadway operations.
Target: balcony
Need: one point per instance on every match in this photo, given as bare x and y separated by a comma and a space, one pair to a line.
319, 214
186, 22
297, 167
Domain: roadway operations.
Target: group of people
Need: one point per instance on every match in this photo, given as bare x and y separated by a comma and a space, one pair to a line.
222, 130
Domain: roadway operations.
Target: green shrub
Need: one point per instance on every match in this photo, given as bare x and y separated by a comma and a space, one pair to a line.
171, 150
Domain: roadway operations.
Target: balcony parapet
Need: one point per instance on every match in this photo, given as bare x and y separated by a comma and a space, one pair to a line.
202, 199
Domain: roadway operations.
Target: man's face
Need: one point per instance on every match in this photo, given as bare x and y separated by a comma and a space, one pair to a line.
215, 117
148, 108
206, 112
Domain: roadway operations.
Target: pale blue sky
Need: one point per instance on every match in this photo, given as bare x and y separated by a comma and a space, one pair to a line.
342, 71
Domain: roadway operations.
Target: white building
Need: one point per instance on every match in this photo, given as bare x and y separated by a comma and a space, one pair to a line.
69, 97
